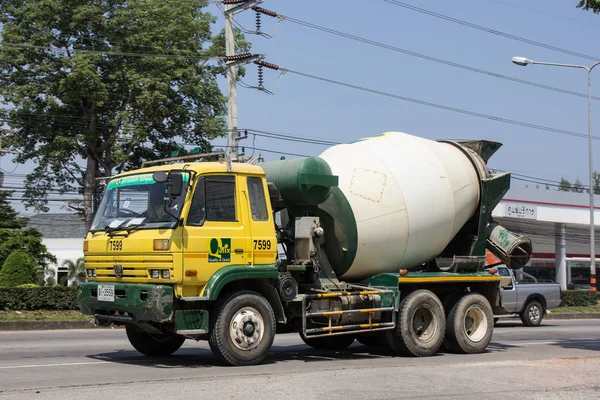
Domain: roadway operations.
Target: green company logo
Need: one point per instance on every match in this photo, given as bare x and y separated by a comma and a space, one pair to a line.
219, 250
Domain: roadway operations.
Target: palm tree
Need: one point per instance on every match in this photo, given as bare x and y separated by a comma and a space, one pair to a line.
76, 270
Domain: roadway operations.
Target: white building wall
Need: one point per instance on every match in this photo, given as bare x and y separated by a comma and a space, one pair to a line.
64, 249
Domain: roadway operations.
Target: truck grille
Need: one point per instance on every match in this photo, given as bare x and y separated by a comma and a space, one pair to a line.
136, 268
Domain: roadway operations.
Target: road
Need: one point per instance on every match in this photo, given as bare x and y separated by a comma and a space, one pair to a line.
559, 360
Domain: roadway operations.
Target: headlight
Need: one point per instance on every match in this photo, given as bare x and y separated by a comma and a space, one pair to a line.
166, 274
89, 273
154, 274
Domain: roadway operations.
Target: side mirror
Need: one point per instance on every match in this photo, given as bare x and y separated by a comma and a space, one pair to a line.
160, 177
175, 184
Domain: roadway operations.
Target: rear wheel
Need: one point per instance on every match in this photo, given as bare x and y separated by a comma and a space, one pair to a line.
151, 344
532, 314
421, 325
340, 342
470, 325
243, 329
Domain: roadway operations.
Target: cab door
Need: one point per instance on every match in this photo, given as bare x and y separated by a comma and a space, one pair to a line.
262, 244
215, 235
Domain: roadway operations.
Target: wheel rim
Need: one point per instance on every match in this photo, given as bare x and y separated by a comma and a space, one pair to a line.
534, 313
424, 324
475, 324
247, 328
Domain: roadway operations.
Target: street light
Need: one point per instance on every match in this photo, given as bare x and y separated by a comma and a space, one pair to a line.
522, 61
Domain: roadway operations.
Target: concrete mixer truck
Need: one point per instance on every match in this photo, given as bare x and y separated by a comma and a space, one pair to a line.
384, 240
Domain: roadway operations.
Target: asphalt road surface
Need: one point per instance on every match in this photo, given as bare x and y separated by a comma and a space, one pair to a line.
559, 360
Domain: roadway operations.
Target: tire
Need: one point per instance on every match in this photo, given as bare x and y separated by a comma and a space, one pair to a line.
470, 325
338, 342
243, 329
370, 339
533, 313
151, 344
420, 326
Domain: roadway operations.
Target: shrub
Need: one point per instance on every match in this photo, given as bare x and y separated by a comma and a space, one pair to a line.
579, 298
18, 269
30, 285
38, 298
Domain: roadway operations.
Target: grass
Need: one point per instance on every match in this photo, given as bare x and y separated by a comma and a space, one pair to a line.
44, 315
582, 309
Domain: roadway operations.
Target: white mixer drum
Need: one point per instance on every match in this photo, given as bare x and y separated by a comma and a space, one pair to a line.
410, 196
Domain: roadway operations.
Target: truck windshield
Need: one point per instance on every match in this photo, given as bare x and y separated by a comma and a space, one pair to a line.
138, 202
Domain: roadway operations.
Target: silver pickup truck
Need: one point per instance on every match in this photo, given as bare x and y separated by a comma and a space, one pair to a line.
527, 300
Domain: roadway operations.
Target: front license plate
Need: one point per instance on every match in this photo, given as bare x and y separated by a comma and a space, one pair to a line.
106, 293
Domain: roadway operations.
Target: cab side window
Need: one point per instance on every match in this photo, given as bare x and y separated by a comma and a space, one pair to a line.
214, 200
220, 198
258, 202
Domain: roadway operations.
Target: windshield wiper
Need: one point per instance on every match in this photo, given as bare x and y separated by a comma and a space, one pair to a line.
110, 231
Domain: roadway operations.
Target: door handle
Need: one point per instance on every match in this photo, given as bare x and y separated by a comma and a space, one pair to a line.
238, 251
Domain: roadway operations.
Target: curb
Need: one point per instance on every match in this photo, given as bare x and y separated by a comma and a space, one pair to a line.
574, 316
45, 325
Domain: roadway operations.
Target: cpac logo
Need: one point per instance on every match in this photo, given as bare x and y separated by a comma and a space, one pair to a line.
219, 250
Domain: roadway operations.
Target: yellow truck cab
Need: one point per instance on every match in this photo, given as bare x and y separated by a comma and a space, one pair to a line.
177, 232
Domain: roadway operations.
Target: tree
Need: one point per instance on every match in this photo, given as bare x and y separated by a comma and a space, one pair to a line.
112, 83
578, 187
18, 269
28, 240
8, 216
76, 270
15, 236
593, 5
564, 185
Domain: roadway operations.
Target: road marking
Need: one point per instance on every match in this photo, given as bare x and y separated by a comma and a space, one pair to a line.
110, 362
53, 365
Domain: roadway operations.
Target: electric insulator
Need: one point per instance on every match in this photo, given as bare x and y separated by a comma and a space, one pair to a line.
238, 57
267, 65
231, 2
257, 21
265, 11
260, 77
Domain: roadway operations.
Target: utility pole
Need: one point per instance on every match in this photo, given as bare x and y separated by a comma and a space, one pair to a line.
233, 7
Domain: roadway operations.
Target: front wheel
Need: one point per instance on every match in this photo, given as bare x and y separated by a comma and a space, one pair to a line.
532, 314
470, 325
421, 325
243, 329
151, 344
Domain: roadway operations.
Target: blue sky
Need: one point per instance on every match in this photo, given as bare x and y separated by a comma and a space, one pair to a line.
309, 108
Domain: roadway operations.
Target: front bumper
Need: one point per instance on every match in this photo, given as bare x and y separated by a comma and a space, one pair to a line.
142, 302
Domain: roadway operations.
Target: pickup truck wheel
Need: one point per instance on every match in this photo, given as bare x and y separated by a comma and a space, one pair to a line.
154, 345
341, 342
470, 325
420, 328
532, 314
243, 329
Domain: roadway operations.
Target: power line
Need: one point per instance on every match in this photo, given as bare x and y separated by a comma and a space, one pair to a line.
489, 30
442, 107
111, 52
291, 138
434, 59
544, 13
